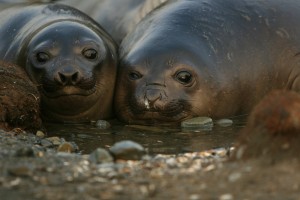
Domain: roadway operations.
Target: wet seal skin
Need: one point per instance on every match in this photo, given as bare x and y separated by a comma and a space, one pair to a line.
210, 58
117, 17
67, 55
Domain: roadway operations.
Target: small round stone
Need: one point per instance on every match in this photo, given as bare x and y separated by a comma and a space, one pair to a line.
55, 140
46, 143
226, 197
127, 150
198, 122
21, 170
25, 152
102, 124
40, 134
66, 147
101, 155
224, 122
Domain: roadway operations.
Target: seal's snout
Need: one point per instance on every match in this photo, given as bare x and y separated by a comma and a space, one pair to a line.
68, 77
153, 97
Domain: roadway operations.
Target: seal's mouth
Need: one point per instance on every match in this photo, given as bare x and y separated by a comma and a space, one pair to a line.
146, 113
53, 88
69, 91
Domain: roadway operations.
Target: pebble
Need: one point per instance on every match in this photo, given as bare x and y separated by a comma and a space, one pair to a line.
234, 176
198, 122
20, 170
148, 190
102, 124
46, 143
101, 155
40, 134
171, 162
226, 197
55, 140
13, 183
194, 197
127, 150
66, 147
224, 122
119, 189
24, 152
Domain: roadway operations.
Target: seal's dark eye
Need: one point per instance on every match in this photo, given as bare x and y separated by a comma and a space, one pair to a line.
90, 54
134, 75
184, 77
42, 57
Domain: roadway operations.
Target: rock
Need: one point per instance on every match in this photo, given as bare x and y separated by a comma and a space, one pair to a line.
234, 176
66, 147
194, 197
46, 143
24, 152
272, 131
55, 140
226, 197
21, 170
40, 134
198, 122
102, 124
224, 122
127, 150
100, 155
19, 99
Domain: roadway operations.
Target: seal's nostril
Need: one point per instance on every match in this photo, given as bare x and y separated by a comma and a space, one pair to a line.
75, 77
67, 78
153, 95
62, 78
153, 98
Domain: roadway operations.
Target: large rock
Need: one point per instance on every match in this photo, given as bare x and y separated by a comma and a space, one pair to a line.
19, 99
273, 129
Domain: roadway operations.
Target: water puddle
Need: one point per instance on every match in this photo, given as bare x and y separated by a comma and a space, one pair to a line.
164, 140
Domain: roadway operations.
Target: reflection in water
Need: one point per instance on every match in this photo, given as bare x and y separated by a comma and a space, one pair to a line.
155, 139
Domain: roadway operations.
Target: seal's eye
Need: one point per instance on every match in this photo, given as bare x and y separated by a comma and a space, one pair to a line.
90, 54
184, 77
134, 75
42, 57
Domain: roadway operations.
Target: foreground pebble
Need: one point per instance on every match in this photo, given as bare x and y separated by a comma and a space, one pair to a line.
56, 141
101, 156
40, 134
127, 150
24, 152
67, 147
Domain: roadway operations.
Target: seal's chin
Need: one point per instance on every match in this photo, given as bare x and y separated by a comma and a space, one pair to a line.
69, 91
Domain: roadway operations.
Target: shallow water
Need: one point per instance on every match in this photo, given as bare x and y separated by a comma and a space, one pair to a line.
164, 140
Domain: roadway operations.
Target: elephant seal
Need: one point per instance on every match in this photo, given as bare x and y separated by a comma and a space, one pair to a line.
117, 17
70, 58
211, 58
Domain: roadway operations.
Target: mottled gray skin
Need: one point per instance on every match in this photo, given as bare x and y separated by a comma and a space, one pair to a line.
67, 55
207, 58
117, 17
